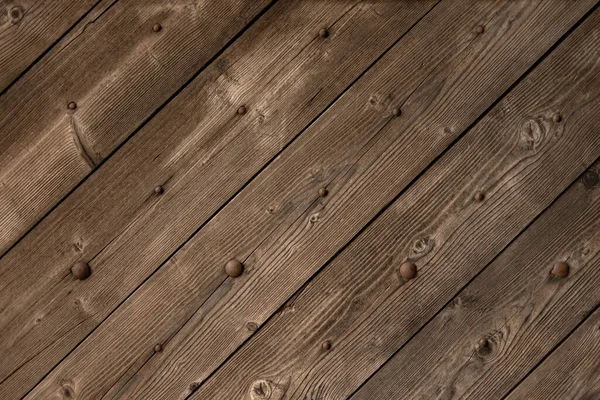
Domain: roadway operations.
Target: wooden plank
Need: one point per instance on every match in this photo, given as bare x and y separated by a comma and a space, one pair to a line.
515, 304
285, 74
28, 28
338, 152
571, 372
358, 302
118, 71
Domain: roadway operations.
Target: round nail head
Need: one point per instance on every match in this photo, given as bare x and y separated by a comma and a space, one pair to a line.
408, 270
252, 326
397, 112
72, 105
323, 192
557, 118
561, 270
81, 270
159, 190
479, 196
323, 32
242, 110
16, 13
157, 27
326, 345
158, 348
480, 29
234, 268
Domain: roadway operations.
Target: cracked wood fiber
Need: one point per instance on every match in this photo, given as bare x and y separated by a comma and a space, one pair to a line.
278, 219
119, 72
358, 302
285, 76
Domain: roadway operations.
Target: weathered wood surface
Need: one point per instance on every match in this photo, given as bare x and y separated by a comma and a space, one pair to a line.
462, 76
571, 372
515, 304
285, 74
358, 302
29, 27
118, 71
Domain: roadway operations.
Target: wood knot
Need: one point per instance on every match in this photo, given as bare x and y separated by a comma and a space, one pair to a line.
261, 389
66, 389
423, 246
533, 133
16, 14
590, 179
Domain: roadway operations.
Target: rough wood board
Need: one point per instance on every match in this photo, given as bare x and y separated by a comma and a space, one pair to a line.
180, 280
28, 28
283, 72
571, 372
358, 303
515, 304
118, 71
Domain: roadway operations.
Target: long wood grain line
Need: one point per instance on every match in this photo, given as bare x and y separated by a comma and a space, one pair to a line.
184, 278
189, 165
357, 302
515, 304
29, 29
118, 73
571, 371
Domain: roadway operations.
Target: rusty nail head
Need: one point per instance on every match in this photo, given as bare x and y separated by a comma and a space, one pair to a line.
408, 270
242, 110
158, 348
480, 195
157, 27
561, 270
326, 345
557, 118
159, 190
323, 192
323, 32
234, 268
81, 270
72, 105
480, 29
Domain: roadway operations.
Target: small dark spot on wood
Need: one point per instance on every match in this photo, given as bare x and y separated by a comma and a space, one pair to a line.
157, 27
66, 389
326, 345
16, 14
252, 326
479, 196
448, 130
193, 386
159, 190
158, 348
557, 118
590, 179
323, 32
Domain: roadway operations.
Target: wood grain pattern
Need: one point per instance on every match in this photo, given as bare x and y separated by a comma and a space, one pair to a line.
118, 71
190, 280
285, 74
571, 372
28, 28
515, 304
358, 302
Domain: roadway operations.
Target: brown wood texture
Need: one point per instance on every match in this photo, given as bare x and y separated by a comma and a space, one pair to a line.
285, 77
571, 372
119, 72
515, 304
358, 302
29, 27
283, 249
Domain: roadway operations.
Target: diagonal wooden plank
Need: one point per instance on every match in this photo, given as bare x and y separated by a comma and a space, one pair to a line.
571, 372
456, 88
285, 74
357, 312
28, 28
92, 91
504, 322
